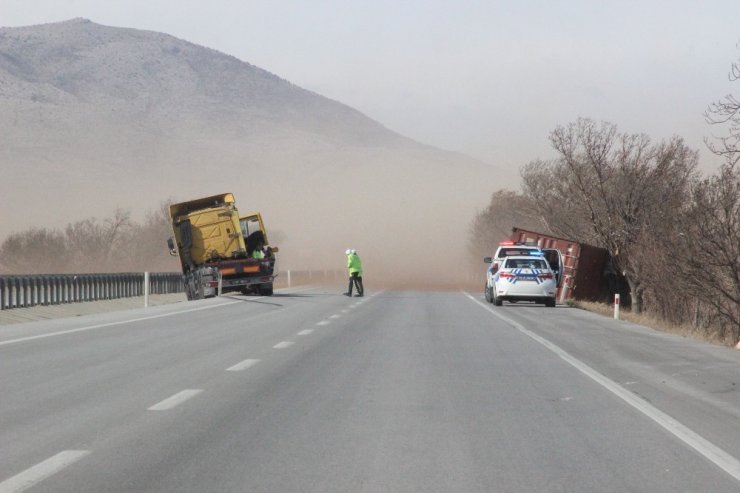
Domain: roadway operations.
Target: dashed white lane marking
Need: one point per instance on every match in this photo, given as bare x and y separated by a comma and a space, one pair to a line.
722, 459
176, 399
335, 316
243, 365
305, 332
323, 322
283, 345
111, 324
41, 471
345, 310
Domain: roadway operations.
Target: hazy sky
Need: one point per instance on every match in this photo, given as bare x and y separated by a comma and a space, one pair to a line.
487, 78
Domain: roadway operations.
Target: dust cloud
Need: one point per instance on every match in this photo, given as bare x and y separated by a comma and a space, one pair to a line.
406, 212
100, 118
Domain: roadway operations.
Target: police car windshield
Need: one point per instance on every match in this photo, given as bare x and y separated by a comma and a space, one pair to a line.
525, 263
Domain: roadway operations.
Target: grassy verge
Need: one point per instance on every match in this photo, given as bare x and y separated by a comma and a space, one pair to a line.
647, 320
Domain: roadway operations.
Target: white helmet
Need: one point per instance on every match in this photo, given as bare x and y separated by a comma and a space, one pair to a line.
348, 251
353, 251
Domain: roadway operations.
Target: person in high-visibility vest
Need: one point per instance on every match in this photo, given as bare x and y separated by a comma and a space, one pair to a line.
354, 265
256, 245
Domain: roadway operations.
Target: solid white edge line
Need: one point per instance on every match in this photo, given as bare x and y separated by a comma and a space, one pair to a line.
283, 345
111, 324
41, 471
175, 400
243, 365
719, 457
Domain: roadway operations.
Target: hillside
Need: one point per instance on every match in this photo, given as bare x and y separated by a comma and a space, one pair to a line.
95, 117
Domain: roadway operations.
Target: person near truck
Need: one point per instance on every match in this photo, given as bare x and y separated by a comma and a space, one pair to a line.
256, 245
354, 266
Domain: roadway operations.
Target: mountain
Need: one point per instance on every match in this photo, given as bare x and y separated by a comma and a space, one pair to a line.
95, 117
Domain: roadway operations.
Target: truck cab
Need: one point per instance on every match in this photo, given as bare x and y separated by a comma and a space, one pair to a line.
209, 238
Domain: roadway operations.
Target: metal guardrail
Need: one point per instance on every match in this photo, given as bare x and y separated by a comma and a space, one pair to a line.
27, 291
293, 277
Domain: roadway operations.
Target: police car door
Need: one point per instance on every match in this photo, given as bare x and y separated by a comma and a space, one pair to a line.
555, 259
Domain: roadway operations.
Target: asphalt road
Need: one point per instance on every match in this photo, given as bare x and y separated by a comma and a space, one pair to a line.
311, 391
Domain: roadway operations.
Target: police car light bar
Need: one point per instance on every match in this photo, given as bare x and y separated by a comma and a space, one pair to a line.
512, 243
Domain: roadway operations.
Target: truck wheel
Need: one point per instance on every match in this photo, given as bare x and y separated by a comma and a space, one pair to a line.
266, 289
188, 282
194, 286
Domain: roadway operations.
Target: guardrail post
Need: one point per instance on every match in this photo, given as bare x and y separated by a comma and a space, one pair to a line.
13, 294
3, 292
616, 306
28, 292
34, 298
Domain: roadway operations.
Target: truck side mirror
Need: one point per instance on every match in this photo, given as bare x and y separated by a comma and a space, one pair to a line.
171, 246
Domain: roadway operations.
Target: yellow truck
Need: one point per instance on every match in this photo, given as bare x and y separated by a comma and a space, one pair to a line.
220, 249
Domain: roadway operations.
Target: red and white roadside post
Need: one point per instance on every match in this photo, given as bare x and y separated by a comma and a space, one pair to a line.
616, 306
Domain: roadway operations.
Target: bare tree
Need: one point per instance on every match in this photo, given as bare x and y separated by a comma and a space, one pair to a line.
491, 225
612, 190
36, 251
92, 244
113, 244
710, 237
726, 113
145, 245
556, 199
709, 247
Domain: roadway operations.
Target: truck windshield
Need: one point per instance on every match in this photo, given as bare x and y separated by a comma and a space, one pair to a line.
249, 225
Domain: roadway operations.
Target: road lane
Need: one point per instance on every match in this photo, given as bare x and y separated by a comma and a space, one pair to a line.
55, 390
406, 392
697, 382
707, 449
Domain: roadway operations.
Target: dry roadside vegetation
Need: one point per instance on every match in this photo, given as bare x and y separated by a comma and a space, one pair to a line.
654, 322
92, 245
673, 234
